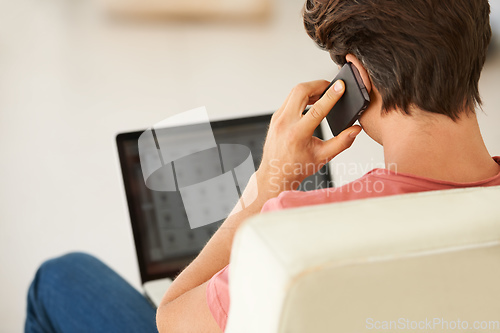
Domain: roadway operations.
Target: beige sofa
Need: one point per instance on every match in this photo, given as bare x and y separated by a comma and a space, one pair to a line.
414, 262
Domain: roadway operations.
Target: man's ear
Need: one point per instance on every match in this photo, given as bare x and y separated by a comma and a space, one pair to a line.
362, 71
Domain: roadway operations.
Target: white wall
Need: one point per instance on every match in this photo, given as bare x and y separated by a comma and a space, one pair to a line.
70, 79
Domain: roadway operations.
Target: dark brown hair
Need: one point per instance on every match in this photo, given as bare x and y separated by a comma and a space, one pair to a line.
424, 53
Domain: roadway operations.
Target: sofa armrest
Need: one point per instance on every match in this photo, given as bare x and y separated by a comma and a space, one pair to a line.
330, 268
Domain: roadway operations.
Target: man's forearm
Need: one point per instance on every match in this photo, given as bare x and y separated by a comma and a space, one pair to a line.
289, 151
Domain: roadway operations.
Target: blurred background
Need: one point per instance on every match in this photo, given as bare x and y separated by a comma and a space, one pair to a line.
74, 73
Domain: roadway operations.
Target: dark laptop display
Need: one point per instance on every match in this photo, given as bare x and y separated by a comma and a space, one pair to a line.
164, 241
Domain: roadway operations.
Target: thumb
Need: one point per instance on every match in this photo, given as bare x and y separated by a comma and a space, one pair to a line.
341, 142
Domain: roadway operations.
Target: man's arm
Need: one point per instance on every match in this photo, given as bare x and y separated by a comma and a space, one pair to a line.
289, 153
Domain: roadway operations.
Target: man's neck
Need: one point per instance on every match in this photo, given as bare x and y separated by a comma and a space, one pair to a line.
434, 146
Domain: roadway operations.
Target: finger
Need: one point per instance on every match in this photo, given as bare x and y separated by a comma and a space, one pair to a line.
320, 109
312, 100
338, 144
302, 94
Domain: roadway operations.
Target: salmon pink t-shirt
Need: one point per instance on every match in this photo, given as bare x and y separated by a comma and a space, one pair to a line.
376, 183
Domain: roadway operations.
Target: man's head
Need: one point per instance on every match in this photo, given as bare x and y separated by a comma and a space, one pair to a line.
426, 54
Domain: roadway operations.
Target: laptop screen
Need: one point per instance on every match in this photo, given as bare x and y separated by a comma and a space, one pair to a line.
164, 240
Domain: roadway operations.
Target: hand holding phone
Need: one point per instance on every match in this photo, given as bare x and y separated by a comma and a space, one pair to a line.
352, 104
291, 151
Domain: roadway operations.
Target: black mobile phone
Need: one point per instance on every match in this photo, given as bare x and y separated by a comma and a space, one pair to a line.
352, 104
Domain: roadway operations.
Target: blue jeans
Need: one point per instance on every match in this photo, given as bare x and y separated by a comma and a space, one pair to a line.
78, 293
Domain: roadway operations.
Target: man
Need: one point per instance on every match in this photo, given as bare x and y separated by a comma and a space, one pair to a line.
420, 61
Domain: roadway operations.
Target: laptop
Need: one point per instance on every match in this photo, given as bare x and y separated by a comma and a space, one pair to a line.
165, 242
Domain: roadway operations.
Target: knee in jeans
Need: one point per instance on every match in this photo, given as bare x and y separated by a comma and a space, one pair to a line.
68, 264
58, 275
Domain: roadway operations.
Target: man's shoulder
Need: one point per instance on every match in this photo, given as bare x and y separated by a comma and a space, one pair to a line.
376, 183
372, 184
